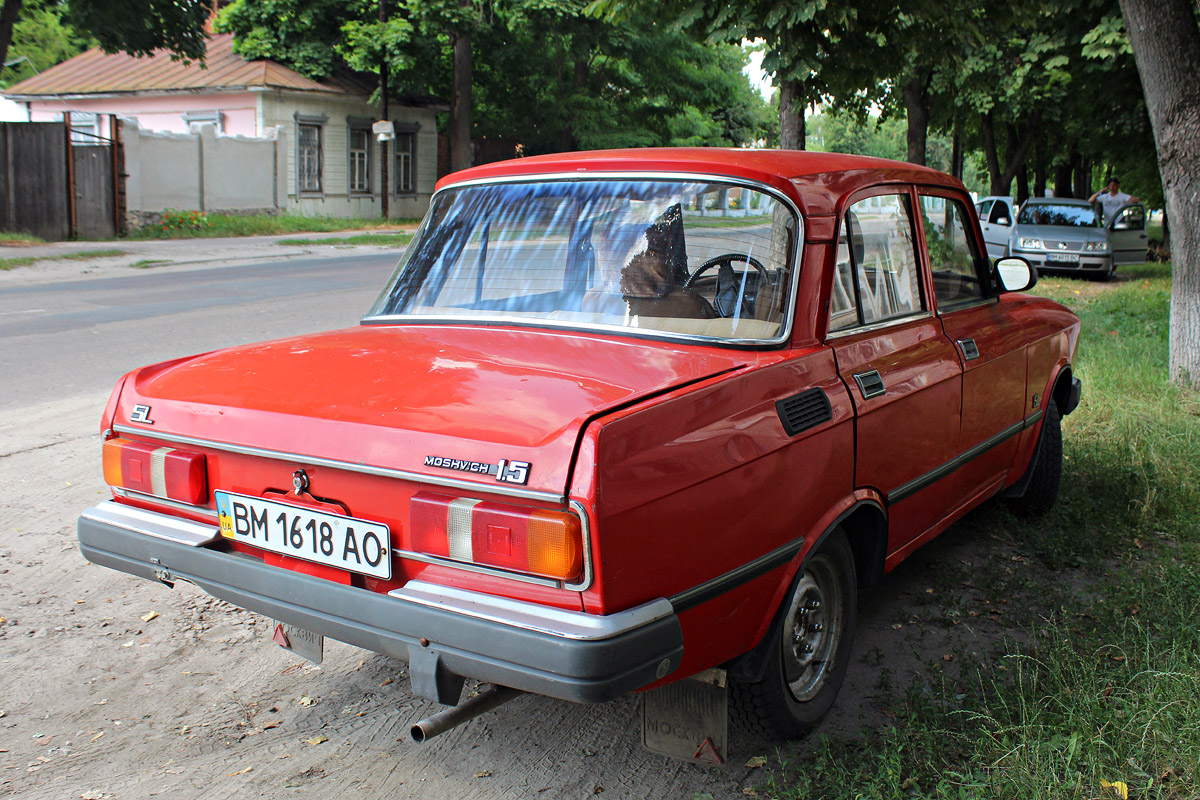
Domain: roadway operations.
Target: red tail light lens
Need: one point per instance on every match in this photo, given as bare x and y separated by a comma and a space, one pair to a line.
535, 541
159, 471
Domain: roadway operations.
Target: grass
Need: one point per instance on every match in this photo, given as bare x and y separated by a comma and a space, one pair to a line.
82, 255
266, 225
1101, 684
11, 239
385, 239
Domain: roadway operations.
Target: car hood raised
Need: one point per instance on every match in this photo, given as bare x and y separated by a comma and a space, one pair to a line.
390, 396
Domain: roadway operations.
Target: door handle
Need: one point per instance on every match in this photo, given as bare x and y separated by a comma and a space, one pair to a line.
870, 383
969, 349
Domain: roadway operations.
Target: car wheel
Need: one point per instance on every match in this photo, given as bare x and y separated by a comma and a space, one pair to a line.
1042, 491
809, 648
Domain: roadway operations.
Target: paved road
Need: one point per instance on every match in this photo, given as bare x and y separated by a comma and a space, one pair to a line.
71, 336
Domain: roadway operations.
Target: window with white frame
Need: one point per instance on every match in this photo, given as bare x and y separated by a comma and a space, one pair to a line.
85, 129
406, 158
360, 159
310, 134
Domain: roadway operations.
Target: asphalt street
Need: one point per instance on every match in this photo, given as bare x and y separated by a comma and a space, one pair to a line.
69, 337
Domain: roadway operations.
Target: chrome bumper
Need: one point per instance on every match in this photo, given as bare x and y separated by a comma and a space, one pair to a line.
445, 634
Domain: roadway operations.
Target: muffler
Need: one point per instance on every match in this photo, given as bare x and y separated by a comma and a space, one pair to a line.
463, 712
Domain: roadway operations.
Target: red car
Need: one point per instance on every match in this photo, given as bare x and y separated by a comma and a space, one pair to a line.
618, 419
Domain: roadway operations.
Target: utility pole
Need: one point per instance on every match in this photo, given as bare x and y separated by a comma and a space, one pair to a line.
383, 93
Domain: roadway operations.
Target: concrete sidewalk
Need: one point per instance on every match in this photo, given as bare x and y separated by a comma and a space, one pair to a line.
140, 254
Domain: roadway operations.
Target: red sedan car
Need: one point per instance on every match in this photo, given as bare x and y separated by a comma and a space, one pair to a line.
618, 419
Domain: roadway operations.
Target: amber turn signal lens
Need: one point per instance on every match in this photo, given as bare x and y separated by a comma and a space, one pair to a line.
555, 544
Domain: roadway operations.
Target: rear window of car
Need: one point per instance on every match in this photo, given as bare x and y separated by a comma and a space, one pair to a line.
677, 257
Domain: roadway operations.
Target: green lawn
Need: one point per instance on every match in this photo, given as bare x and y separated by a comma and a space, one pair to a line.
1105, 683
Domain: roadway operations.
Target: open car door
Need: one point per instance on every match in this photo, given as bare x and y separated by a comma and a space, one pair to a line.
1127, 235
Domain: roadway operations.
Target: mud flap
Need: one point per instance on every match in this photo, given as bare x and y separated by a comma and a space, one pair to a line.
688, 719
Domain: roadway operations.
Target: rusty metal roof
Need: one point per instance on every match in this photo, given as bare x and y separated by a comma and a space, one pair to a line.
97, 72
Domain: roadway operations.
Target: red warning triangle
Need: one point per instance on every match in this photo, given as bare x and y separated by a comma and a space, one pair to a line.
280, 636
707, 754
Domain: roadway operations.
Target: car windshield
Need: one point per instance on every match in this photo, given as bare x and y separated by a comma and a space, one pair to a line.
1068, 215
674, 257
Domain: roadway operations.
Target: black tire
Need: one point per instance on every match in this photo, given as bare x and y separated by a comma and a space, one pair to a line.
1043, 486
809, 650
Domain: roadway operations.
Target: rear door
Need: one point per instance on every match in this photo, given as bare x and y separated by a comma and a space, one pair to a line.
988, 340
902, 373
1127, 235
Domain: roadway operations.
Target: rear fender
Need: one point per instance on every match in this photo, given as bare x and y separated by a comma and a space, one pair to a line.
864, 521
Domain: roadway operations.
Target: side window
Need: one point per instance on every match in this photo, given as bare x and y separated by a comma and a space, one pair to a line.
1132, 218
1000, 214
983, 208
958, 268
876, 277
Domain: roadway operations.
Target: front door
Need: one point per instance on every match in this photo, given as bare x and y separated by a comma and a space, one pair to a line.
989, 341
997, 227
902, 373
1127, 235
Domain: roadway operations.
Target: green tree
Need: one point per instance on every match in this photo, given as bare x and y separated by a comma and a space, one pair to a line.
138, 27
40, 39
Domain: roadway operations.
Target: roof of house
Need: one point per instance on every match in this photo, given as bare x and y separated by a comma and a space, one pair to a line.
97, 72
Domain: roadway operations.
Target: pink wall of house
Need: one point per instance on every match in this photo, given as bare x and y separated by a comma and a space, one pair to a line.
239, 111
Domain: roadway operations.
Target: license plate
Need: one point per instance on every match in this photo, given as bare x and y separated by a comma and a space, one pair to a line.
303, 643
1063, 258
336, 541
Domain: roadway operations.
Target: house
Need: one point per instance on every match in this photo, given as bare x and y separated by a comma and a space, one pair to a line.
334, 163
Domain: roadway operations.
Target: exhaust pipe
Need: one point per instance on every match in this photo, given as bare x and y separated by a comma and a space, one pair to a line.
463, 712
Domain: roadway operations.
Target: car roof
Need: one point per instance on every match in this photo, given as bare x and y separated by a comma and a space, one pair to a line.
817, 180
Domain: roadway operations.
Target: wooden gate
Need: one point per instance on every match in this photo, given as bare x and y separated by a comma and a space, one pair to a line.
59, 184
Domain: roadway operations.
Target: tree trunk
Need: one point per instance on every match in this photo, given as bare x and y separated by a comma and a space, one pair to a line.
917, 106
1039, 169
1083, 178
8, 18
956, 153
792, 101
1062, 175
384, 91
460, 102
1022, 185
1166, 46
567, 140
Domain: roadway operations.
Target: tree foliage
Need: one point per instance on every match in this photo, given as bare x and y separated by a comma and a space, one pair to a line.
41, 39
544, 74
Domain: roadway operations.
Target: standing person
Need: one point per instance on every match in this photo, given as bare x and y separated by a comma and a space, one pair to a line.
1111, 199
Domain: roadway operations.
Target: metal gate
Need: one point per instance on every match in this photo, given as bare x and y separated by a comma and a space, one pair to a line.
60, 184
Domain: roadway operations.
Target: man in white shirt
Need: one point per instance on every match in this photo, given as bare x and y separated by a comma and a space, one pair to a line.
1111, 199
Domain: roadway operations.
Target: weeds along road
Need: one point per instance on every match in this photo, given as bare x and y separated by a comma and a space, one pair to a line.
114, 687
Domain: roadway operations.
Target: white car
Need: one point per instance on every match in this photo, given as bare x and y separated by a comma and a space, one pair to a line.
1059, 233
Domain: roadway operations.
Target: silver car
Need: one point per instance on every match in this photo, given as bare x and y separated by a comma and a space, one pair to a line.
1057, 233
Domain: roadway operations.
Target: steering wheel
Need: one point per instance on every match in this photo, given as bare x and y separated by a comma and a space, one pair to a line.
725, 300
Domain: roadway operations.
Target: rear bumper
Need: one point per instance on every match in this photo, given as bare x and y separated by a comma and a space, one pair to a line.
563, 654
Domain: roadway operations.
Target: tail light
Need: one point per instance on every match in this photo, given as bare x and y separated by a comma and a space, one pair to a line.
159, 471
531, 540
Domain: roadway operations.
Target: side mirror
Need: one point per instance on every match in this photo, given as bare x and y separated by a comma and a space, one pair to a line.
1016, 274
1005, 221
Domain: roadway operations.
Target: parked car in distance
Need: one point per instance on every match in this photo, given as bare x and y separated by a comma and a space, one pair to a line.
618, 419
1064, 234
